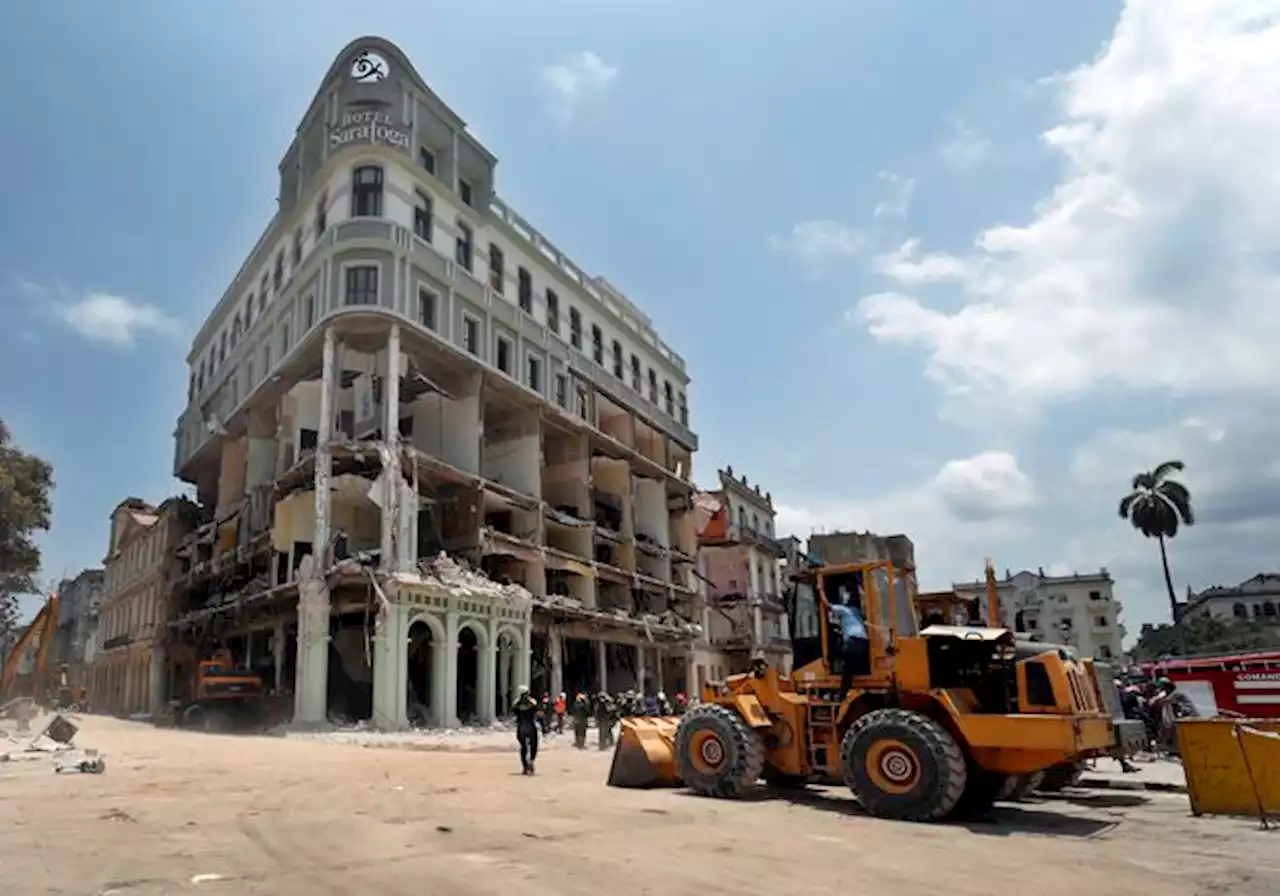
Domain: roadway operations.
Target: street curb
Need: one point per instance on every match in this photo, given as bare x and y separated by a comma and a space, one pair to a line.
1112, 784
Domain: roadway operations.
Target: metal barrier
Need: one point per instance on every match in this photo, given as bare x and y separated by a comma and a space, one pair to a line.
1232, 765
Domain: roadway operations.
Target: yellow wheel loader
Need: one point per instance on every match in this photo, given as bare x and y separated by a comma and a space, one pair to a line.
930, 724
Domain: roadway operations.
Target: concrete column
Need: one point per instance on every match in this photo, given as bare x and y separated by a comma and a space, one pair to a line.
439, 681
391, 477
691, 677
487, 686
757, 628
640, 669
602, 665
658, 658
156, 686
277, 655
390, 669
451, 670
504, 680
525, 657
557, 660
310, 704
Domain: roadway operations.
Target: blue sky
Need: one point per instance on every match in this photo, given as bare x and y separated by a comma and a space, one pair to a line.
957, 269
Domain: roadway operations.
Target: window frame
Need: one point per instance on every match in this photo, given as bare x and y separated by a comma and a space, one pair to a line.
367, 198
351, 272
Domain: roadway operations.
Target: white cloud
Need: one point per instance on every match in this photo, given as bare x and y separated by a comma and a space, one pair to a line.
898, 204
114, 320
580, 79
985, 486
955, 518
1151, 264
817, 245
906, 265
964, 149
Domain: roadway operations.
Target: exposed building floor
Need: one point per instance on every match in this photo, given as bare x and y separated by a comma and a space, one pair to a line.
179, 812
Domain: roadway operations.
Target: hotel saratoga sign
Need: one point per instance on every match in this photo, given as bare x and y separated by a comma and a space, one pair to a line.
368, 126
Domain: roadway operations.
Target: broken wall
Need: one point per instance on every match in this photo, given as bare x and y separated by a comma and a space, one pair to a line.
511, 454
231, 475
448, 429
651, 512
566, 473
728, 570
611, 494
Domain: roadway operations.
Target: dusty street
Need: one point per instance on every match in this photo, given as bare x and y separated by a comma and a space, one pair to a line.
177, 812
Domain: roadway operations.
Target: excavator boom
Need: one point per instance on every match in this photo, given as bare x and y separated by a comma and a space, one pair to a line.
42, 626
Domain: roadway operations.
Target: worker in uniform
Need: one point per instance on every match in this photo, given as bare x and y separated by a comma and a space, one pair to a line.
525, 709
560, 709
664, 705
544, 717
604, 720
580, 712
855, 652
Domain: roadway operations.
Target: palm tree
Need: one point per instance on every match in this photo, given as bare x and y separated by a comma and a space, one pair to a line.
1157, 506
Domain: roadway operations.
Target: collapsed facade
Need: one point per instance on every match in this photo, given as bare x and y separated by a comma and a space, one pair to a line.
422, 483
740, 559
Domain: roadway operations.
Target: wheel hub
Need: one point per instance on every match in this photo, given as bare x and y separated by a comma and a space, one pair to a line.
897, 766
712, 751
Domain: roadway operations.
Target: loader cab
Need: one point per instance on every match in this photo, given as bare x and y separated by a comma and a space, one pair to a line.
885, 599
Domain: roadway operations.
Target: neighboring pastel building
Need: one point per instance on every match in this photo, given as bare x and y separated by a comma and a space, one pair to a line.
404, 368
1256, 600
129, 671
739, 557
1079, 610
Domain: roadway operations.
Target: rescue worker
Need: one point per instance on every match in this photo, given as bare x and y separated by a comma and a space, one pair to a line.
682, 703
525, 709
544, 717
580, 712
855, 653
650, 705
664, 705
604, 720
560, 708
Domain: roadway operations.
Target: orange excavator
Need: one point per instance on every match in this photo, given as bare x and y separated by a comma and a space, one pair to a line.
41, 628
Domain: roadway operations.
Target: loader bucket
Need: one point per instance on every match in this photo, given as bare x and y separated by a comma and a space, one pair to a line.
646, 753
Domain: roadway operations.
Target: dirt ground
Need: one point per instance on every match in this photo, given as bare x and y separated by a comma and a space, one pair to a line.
179, 812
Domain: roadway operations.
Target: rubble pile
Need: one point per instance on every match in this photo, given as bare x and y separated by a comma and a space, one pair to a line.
364, 733
463, 579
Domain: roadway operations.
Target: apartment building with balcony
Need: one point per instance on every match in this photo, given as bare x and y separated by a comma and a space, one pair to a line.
1256, 600
129, 673
79, 603
405, 368
740, 560
1079, 610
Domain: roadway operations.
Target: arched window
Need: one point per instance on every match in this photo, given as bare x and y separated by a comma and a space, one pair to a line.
1239, 611
366, 192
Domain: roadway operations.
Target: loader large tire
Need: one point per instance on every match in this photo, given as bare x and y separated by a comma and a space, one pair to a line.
901, 764
717, 753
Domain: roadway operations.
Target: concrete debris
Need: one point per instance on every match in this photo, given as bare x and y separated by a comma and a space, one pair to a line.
461, 578
88, 763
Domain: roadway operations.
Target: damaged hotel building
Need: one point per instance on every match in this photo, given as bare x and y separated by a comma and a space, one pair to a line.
434, 459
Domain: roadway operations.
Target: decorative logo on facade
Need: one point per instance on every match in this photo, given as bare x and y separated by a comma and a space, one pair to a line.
368, 126
368, 68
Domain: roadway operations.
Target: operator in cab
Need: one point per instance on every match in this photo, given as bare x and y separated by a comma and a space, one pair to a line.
855, 649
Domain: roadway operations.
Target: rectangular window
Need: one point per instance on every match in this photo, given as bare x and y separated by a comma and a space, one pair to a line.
366, 192
525, 290
284, 332
582, 401
462, 248
277, 276
635, 373
422, 217
362, 285
248, 314
322, 215
504, 355
533, 374
617, 358
496, 268
262, 295
668, 398
471, 334
427, 159
427, 306
562, 390
597, 344
684, 409
575, 329
553, 311
297, 247
464, 191
309, 312
653, 386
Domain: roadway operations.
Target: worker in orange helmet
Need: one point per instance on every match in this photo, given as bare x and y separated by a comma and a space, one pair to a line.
560, 708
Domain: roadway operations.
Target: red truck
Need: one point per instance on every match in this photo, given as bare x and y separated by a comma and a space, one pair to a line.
1245, 684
